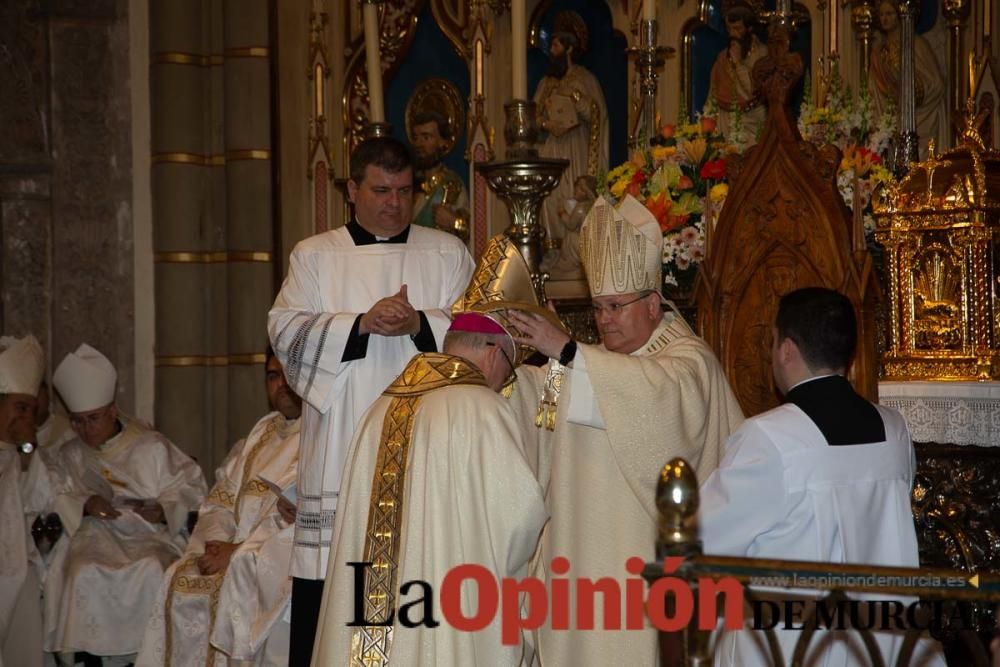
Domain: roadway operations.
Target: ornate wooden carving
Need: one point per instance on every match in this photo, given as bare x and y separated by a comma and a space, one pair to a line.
784, 226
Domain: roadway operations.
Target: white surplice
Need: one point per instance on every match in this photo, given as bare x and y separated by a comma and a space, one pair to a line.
100, 590
330, 282
620, 418
236, 609
470, 497
782, 492
24, 494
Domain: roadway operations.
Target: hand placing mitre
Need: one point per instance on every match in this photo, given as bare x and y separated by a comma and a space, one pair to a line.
539, 333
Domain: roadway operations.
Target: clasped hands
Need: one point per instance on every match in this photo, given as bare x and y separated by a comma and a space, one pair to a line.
216, 557
391, 316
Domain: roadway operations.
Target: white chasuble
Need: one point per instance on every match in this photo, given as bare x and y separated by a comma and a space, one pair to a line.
207, 619
782, 492
330, 283
24, 494
436, 478
99, 591
619, 419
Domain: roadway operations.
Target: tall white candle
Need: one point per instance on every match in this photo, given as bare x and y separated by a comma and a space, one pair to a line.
648, 10
519, 45
834, 25
373, 61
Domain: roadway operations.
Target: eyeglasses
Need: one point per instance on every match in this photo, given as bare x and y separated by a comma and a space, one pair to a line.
616, 308
84, 421
513, 374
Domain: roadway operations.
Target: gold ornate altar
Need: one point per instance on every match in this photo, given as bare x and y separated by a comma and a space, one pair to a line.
939, 227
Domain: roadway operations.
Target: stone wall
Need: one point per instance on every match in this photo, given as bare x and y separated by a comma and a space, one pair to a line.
66, 178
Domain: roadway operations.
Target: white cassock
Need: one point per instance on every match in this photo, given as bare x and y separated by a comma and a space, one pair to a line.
54, 432
620, 418
469, 496
330, 282
782, 492
237, 609
24, 494
99, 591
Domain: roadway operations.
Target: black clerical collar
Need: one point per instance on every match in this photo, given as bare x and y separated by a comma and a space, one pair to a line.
844, 417
362, 236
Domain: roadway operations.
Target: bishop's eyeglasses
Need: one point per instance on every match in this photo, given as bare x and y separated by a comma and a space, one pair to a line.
616, 308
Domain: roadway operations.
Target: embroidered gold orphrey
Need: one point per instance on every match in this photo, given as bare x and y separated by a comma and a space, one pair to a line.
370, 644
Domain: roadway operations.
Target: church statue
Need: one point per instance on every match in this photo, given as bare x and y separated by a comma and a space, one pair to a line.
731, 96
884, 79
563, 262
441, 200
572, 113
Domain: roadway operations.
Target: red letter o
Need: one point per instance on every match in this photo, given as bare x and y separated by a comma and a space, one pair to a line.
451, 597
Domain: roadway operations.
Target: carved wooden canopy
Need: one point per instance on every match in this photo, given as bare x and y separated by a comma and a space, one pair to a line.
784, 226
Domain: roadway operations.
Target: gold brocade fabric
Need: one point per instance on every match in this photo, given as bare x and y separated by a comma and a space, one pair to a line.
370, 644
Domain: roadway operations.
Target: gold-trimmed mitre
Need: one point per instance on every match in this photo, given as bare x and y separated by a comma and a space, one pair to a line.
621, 248
502, 282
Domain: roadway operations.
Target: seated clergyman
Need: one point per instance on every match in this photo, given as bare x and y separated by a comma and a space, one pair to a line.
25, 494
226, 599
124, 499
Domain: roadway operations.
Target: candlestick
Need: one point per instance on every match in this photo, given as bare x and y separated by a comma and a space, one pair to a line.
373, 61
519, 54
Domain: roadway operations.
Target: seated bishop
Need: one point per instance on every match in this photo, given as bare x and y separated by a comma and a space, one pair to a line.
436, 478
124, 498
226, 600
25, 494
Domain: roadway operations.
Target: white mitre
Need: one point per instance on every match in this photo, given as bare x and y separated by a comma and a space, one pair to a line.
621, 248
86, 380
22, 364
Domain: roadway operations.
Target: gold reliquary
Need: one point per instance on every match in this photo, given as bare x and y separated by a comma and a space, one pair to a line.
939, 228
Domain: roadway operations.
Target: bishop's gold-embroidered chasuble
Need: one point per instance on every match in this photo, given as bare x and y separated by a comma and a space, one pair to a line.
205, 619
619, 419
436, 478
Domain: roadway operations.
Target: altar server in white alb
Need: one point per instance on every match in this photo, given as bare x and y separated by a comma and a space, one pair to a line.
25, 493
125, 502
358, 302
224, 601
652, 390
437, 478
824, 477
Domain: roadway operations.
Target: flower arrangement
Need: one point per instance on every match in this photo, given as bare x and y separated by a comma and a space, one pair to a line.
863, 136
679, 178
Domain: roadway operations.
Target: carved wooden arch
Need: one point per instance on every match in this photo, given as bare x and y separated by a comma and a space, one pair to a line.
784, 226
